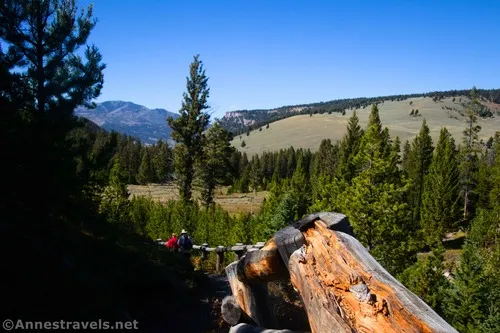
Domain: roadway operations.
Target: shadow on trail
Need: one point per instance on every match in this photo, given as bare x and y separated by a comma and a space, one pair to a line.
101, 273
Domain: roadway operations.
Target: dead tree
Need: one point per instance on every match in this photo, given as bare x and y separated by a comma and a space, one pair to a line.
342, 287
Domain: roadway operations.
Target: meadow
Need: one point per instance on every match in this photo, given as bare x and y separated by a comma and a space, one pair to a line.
233, 203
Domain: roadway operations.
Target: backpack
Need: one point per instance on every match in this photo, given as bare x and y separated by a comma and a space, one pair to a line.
186, 243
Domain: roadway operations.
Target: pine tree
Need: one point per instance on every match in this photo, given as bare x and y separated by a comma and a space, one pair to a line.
440, 200
145, 174
466, 298
114, 202
255, 173
418, 165
161, 161
349, 148
469, 152
374, 202
45, 75
425, 278
187, 130
299, 188
214, 166
281, 216
494, 171
405, 159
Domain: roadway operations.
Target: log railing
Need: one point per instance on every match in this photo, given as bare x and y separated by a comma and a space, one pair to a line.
342, 287
239, 250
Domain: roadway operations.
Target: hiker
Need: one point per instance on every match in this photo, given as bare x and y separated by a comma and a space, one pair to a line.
185, 244
172, 243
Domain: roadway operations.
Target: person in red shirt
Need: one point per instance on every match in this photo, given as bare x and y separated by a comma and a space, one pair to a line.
172, 242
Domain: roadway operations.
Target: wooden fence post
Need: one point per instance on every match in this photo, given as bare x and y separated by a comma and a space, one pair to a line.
238, 253
219, 251
204, 254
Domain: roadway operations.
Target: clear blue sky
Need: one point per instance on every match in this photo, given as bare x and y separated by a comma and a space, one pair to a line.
264, 54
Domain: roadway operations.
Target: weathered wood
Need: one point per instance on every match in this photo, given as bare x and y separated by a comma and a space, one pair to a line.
252, 299
231, 311
288, 240
263, 265
220, 258
245, 328
344, 289
337, 222
239, 250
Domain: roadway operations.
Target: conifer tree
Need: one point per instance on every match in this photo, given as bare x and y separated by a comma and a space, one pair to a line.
46, 74
187, 130
466, 298
494, 193
299, 188
213, 167
425, 278
418, 165
255, 173
405, 159
145, 174
349, 148
440, 199
469, 154
374, 202
161, 161
114, 203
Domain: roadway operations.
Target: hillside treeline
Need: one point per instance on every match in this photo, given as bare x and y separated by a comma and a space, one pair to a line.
260, 118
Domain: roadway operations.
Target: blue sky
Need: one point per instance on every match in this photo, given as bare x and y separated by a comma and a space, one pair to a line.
264, 54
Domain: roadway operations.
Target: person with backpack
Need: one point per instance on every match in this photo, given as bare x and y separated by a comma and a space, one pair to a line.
185, 244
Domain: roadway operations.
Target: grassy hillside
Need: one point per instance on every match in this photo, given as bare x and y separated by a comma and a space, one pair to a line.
233, 203
304, 131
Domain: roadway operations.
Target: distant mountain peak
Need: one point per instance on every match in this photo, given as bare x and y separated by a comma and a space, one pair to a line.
149, 125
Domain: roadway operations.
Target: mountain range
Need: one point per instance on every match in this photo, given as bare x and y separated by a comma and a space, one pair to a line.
148, 125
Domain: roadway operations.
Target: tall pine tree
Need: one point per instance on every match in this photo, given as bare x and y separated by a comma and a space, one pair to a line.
214, 166
374, 202
440, 199
418, 163
469, 155
349, 148
187, 130
47, 71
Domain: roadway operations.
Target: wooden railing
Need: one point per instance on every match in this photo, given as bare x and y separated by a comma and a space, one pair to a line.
239, 250
342, 287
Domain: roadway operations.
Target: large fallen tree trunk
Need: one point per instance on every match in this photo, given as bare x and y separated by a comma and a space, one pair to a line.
343, 288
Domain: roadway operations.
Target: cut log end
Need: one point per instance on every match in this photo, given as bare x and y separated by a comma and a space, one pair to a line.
230, 310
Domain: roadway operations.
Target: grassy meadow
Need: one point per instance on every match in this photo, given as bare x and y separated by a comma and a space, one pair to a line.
233, 203
304, 131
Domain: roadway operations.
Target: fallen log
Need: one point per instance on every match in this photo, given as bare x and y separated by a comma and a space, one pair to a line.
345, 289
245, 328
231, 312
251, 298
261, 266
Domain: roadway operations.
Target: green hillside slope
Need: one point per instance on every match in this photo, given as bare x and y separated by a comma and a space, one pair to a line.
304, 131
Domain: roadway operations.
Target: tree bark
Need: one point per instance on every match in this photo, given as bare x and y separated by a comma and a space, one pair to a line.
344, 289
262, 266
252, 298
